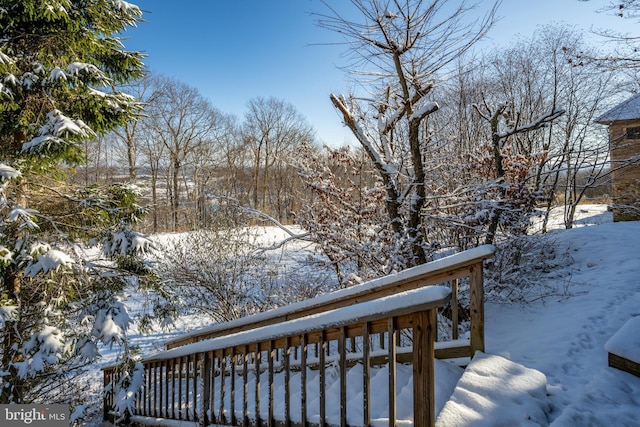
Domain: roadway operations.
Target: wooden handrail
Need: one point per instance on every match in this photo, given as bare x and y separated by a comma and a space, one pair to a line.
442, 270
371, 311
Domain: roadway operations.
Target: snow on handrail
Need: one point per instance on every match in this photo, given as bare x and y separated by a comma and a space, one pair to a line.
458, 260
382, 308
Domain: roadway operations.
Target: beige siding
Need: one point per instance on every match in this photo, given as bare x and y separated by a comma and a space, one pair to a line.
626, 174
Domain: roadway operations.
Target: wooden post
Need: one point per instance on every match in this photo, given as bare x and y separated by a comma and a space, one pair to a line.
391, 343
106, 404
167, 380
147, 409
166, 388
205, 376
215, 360
180, 387
212, 397
303, 380
343, 376
256, 363
138, 405
423, 369
223, 368
323, 379
476, 307
454, 309
272, 356
287, 382
366, 374
173, 388
232, 378
153, 396
157, 389
186, 386
195, 387
245, 387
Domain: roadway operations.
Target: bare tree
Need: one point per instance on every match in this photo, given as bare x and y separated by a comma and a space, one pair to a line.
234, 178
205, 166
95, 167
274, 130
504, 124
154, 161
574, 150
578, 152
126, 137
183, 121
522, 155
398, 49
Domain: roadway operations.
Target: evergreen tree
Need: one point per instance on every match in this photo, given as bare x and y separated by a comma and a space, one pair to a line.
61, 62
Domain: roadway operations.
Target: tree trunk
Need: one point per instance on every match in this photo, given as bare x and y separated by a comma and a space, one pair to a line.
15, 392
131, 156
175, 204
154, 195
12, 280
496, 212
265, 178
415, 219
256, 177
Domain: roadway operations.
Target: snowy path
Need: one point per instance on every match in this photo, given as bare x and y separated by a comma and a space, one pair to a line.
564, 337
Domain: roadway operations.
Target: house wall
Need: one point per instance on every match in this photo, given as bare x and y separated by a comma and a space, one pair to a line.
626, 171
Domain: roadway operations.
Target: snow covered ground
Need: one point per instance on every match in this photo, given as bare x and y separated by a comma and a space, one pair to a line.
562, 336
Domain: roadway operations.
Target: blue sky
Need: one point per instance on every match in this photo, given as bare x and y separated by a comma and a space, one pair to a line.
236, 50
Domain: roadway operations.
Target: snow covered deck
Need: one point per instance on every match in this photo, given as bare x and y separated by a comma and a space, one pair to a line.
227, 374
208, 382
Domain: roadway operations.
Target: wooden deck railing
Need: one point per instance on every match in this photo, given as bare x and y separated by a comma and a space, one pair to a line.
225, 374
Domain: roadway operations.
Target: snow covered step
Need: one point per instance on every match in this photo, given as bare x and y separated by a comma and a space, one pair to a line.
624, 347
494, 391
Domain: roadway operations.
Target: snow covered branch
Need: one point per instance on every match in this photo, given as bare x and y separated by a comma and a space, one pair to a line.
540, 122
293, 235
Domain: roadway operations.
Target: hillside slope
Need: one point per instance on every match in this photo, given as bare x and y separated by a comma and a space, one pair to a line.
563, 335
